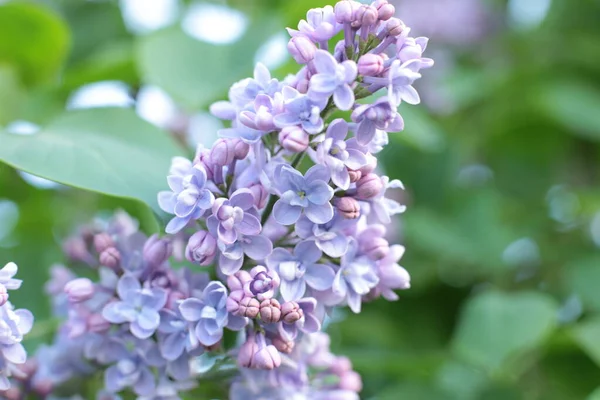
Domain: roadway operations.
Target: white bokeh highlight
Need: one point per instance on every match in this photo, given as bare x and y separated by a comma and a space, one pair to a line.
214, 23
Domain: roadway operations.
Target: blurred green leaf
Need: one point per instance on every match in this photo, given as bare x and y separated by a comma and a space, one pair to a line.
574, 105
38, 42
463, 381
595, 395
587, 335
495, 327
11, 94
420, 130
196, 73
106, 150
582, 276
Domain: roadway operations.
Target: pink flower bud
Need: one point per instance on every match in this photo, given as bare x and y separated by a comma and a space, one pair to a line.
369, 186
238, 304
385, 10
294, 139
365, 16
270, 311
370, 64
79, 290
240, 149
341, 365
110, 258
302, 49
103, 241
351, 381
345, 11
201, 248
291, 312
266, 358
394, 27
42, 387
284, 346
260, 195
247, 351
157, 251
370, 165
354, 175
375, 247
238, 280
348, 207
3, 295
13, 393
222, 152
97, 324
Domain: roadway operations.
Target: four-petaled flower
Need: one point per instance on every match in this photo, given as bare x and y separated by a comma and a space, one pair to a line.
333, 79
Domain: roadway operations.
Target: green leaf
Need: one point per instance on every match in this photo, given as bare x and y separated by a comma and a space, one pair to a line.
196, 73
496, 327
595, 395
574, 105
106, 150
11, 94
587, 335
35, 41
420, 130
582, 277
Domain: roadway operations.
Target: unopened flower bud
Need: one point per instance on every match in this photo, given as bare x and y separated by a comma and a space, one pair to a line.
369, 186
341, 365
284, 346
365, 16
3, 295
79, 290
375, 248
350, 381
370, 165
354, 175
263, 283
267, 357
203, 159
103, 241
97, 323
302, 49
246, 352
345, 11
42, 387
222, 152
260, 195
385, 10
76, 249
201, 248
291, 312
239, 304
294, 139
13, 393
270, 311
157, 251
394, 27
348, 207
238, 280
410, 50
240, 149
370, 64
110, 258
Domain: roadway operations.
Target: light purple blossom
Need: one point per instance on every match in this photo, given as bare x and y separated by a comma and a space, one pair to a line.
355, 277
379, 115
333, 79
320, 26
331, 237
300, 269
263, 284
6, 277
384, 208
188, 199
302, 110
235, 216
391, 275
137, 305
14, 324
334, 154
310, 193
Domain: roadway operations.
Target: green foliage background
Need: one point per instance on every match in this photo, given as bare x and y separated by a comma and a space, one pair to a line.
502, 190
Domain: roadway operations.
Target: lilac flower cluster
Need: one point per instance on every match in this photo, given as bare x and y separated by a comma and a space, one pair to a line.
286, 215
14, 325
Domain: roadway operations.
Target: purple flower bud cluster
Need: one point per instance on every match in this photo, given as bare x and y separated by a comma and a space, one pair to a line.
286, 213
14, 325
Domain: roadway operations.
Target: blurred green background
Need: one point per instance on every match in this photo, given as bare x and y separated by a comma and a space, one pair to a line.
501, 164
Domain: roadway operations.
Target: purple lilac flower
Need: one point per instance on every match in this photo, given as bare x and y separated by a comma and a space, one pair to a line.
334, 154
384, 208
331, 237
300, 269
319, 26
310, 193
391, 275
188, 199
14, 324
208, 313
309, 323
6, 277
235, 216
379, 115
262, 284
302, 110
138, 306
355, 277
333, 79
